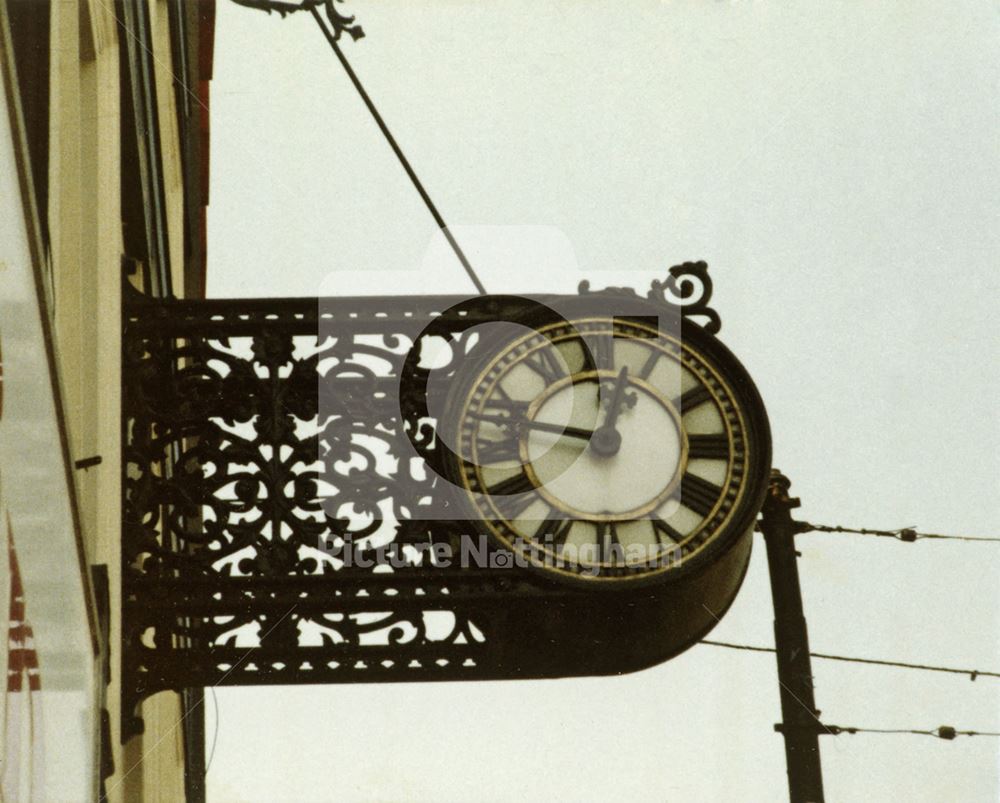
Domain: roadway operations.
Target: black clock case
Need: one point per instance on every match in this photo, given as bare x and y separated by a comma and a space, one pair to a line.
576, 626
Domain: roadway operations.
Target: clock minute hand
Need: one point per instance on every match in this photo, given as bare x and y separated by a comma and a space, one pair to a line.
616, 399
559, 429
541, 426
607, 440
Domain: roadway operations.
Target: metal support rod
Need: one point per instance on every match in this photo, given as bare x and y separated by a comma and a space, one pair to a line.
801, 725
410, 172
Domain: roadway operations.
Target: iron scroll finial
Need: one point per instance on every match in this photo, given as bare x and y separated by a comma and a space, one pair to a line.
688, 287
340, 23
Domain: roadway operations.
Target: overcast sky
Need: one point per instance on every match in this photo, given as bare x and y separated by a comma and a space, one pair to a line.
836, 165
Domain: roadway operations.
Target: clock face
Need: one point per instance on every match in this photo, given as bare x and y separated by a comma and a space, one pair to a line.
605, 449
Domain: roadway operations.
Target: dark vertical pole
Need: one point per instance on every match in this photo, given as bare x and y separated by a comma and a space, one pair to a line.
193, 708
801, 725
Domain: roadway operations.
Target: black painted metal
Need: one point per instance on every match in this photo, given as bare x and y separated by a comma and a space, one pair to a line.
258, 431
801, 725
339, 23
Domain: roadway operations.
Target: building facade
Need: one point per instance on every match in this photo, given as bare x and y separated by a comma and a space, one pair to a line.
104, 139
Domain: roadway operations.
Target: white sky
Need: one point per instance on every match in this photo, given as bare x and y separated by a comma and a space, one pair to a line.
836, 164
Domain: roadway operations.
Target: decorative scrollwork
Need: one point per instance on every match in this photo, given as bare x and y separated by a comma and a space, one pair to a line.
273, 448
262, 439
689, 287
340, 23
623, 292
266, 440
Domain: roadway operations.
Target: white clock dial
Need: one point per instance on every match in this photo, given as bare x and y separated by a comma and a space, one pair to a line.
601, 448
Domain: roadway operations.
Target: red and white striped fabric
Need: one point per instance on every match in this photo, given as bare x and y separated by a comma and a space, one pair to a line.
21, 776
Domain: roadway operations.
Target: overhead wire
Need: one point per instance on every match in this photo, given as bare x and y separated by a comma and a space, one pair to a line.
972, 673
215, 732
908, 534
946, 732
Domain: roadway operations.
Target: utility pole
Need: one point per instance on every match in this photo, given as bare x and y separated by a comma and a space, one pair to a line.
801, 725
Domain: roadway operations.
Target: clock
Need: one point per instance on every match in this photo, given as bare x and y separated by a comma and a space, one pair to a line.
607, 449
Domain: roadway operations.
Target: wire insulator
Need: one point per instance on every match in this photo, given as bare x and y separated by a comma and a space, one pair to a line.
908, 534
946, 732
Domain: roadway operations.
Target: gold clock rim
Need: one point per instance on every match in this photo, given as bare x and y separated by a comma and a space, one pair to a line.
623, 574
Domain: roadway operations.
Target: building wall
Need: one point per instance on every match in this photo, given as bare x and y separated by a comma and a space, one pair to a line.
49, 706
84, 212
173, 181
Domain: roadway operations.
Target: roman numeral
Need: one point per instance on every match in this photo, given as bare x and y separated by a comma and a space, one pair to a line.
602, 351
554, 529
711, 447
502, 410
497, 451
509, 421
501, 402
692, 398
546, 364
662, 528
699, 494
650, 364
607, 537
511, 496
518, 484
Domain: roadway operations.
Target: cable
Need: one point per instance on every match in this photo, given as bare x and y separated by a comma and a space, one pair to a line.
331, 38
215, 735
908, 534
946, 732
972, 673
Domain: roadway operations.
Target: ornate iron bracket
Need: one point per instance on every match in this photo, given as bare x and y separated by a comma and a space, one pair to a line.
340, 23
260, 432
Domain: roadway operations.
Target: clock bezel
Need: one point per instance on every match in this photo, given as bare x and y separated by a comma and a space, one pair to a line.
715, 356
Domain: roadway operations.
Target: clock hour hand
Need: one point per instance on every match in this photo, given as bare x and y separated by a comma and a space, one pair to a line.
607, 440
